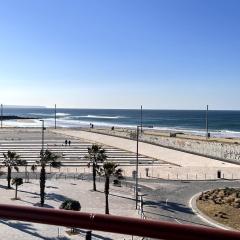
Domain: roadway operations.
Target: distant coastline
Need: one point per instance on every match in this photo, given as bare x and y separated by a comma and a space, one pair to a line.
222, 124
13, 117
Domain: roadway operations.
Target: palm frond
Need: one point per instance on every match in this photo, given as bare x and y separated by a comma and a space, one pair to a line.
56, 164
16, 168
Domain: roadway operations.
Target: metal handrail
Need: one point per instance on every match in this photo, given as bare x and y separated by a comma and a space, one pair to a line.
114, 224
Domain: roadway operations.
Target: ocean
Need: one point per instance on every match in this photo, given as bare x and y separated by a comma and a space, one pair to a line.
221, 123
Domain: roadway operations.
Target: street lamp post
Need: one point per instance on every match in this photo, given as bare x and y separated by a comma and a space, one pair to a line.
1, 114
207, 123
43, 128
55, 116
136, 176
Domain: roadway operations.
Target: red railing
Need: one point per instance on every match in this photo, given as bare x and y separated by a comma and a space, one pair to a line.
114, 224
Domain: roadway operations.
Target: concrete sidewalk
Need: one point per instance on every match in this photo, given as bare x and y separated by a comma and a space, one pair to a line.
121, 202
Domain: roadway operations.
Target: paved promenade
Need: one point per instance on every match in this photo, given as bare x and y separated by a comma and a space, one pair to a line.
181, 165
121, 200
172, 156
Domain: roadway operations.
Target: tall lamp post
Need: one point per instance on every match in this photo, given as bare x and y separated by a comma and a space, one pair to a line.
43, 128
207, 135
55, 113
1, 114
141, 120
136, 176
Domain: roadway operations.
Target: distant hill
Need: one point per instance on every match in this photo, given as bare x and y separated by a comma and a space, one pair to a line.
22, 106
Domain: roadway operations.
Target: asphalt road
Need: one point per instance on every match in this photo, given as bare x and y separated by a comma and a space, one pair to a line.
169, 200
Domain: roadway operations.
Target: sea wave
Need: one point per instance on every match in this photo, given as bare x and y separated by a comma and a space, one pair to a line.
98, 116
50, 114
72, 123
202, 132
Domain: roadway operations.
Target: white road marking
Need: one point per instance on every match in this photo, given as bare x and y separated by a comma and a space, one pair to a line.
202, 217
177, 221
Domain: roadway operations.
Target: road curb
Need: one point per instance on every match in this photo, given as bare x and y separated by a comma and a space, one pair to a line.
205, 218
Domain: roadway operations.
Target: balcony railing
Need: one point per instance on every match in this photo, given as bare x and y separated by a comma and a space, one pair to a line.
114, 224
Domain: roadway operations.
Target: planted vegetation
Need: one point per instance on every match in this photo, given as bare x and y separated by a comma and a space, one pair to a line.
222, 205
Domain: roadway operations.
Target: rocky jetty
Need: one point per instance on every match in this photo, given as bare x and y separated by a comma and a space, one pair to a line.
13, 117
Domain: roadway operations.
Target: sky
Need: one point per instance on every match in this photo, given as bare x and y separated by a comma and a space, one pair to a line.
162, 54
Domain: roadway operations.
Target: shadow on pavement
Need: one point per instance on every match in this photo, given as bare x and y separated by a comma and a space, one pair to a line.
169, 206
94, 236
55, 197
27, 228
181, 219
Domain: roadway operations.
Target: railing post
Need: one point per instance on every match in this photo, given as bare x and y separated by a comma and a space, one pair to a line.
89, 235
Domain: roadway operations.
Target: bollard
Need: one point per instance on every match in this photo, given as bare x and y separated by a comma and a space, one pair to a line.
88, 235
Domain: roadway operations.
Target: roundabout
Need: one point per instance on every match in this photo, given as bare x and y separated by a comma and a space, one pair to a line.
173, 201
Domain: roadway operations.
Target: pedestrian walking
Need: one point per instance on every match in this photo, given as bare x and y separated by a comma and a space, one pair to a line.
66, 141
69, 142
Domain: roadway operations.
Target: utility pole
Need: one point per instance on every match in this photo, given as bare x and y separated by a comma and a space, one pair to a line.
136, 176
137, 158
207, 123
1, 114
43, 128
55, 116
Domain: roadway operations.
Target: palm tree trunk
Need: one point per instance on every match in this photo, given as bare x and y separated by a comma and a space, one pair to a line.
42, 184
94, 177
16, 192
9, 177
106, 195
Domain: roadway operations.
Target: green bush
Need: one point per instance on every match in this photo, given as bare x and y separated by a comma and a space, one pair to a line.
71, 204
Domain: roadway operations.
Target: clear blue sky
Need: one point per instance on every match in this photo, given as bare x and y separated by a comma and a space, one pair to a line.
120, 53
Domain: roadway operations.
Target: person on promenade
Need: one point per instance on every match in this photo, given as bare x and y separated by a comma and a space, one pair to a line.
66, 141
69, 142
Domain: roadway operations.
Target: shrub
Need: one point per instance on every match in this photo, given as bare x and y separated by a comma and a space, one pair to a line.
71, 204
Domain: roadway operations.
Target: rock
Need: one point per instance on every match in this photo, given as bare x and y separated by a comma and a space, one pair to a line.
237, 200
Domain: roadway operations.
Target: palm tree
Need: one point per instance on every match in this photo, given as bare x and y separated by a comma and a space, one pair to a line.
46, 157
17, 182
109, 169
96, 154
11, 159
